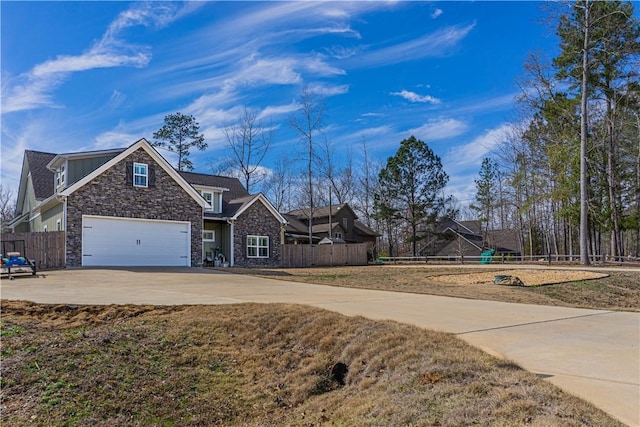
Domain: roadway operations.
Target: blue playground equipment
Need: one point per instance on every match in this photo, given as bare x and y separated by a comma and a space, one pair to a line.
486, 257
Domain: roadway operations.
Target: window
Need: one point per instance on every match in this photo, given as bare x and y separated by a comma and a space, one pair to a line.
208, 235
208, 196
214, 199
257, 247
140, 174
60, 177
59, 224
217, 202
345, 223
45, 228
338, 235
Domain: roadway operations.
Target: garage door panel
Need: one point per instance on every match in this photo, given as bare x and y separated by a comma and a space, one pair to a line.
109, 241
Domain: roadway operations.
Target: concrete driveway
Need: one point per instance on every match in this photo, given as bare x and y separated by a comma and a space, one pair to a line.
593, 354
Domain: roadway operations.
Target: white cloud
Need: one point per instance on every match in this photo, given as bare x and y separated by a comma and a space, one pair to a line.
117, 99
88, 61
318, 65
328, 90
435, 44
33, 89
437, 129
37, 135
436, 13
371, 132
114, 139
278, 110
341, 52
463, 162
414, 97
264, 71
486, 105
472, 153
461, 187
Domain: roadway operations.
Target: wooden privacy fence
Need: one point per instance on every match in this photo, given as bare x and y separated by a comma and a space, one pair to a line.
324, 255
47, 248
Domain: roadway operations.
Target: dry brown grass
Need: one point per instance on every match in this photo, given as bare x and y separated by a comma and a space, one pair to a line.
257, 365
615, 291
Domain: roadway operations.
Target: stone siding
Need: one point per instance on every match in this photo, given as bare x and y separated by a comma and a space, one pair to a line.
110, 195
257, 221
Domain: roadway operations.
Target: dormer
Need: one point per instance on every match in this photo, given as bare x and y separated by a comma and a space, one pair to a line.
60, 177
213, 196
71, 167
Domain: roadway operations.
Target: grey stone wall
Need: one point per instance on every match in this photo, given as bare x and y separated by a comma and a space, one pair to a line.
110, 195
257, 221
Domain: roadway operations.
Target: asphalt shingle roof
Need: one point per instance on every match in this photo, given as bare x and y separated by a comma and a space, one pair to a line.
318, 212
41, 177
236, 190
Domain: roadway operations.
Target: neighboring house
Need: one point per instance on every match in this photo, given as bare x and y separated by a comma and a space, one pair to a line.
130, 207
465, 238
338, 222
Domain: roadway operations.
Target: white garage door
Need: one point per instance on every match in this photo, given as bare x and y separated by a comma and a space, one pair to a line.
110, 241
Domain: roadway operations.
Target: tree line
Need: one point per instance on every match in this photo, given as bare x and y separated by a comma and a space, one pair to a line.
567, 178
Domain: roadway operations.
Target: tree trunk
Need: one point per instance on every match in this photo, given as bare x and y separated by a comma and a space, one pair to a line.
612, 182
584, 210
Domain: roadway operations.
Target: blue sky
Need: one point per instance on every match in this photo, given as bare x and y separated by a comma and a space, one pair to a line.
96, 75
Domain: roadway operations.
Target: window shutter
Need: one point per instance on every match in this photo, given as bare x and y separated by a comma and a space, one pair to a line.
152, 176
129, 176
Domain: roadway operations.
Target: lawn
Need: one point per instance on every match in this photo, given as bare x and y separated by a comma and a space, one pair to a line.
257, 365
612, 291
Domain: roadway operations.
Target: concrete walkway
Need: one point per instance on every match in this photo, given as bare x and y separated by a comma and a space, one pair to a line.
593, 354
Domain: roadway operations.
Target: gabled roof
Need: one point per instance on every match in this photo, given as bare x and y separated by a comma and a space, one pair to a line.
34, 163
294, 225
324, 228
320, 211
233, 185
41, 177
504, 240
140, 144
363, 230
474, 226
236, 207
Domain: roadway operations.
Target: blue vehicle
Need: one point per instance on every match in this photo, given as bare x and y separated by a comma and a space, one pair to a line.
13, 262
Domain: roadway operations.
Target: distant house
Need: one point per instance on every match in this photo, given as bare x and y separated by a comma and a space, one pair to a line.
337, 222
465, 238
130, 207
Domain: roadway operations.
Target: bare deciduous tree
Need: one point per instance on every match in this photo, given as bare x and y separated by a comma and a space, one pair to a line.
7, 206
249, 141
307, 121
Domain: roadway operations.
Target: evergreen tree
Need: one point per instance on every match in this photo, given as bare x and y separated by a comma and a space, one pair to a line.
179, 134
486, 194
414, 177
599, 42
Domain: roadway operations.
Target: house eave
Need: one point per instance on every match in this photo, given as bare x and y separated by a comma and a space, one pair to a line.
266, 203
161, 161
61, 158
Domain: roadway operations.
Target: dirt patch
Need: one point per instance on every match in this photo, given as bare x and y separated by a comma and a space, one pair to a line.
527, 277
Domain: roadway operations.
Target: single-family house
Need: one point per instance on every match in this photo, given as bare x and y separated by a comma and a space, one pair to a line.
130, 207
335, 221
466, 238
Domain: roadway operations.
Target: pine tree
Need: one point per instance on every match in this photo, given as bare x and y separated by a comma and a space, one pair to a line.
179, 134
416, 179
